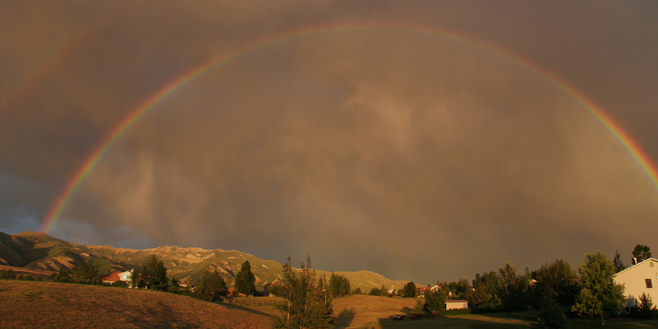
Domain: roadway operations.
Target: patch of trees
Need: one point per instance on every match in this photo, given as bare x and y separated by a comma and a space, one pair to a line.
308, 299
339, 286
212, 286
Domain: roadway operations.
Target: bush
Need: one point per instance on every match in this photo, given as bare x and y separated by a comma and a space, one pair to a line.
61, 276
7, 274
119, 284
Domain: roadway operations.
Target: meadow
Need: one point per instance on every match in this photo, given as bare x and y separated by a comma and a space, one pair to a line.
49, 304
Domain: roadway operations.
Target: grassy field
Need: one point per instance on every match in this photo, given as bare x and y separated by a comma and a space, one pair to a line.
52, 305
61, 305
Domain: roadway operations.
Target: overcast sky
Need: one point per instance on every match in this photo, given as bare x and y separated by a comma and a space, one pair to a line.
419, 155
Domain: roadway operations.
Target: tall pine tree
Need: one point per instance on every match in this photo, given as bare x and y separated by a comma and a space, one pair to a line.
245, 281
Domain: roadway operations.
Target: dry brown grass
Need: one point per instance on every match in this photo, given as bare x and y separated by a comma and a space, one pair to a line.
59, 305
365, 310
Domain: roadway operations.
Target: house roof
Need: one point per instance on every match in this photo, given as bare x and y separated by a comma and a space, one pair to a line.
456, 301
628, 268
113, 277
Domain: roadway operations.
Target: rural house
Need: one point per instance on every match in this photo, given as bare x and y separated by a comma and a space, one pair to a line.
456, 304
112, 278
638, 279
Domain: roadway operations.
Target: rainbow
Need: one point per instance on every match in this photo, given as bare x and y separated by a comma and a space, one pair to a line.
42, 65
150, 103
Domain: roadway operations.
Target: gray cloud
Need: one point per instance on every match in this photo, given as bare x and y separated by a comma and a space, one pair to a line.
408, 154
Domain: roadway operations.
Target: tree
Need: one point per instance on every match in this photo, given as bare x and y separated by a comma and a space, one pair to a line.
212, 286
136, 280
409, 290
308, 300
61, 276
512, 288
551, 315
375, 292
556, 279
86, 272
641, 252
480, 294
598, 294
435, 301
7, 274
245, 281
619, 264
646, 305
418, 308
155, 273
339, 286
357, 291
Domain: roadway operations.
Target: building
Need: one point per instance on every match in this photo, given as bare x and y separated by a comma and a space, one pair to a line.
638, 279
456, 304
112, 278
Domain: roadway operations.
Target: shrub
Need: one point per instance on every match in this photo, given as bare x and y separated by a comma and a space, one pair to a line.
7, 274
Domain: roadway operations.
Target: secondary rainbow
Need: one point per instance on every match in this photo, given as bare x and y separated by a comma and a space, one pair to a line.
60, 203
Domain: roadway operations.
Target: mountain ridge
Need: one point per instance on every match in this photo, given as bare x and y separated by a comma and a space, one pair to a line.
38, 250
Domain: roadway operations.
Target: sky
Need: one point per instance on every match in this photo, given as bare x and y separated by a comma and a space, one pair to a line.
425, 141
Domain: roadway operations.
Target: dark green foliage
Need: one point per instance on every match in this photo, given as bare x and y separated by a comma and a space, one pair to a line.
339, 286
512, 288
211, 287
61, 276
136, 280
357, 291
418, 308
641, 252
435, 301
375, 292
619, 264
491, 283
7, 274
383, 291
155, 273
86, 272
598, 292
480, 295
556, 279
29, 277
245, 281
309, 303
551, 315
409, 290
119, 284
646, 307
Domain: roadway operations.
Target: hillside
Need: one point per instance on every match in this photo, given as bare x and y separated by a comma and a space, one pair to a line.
44, 252
63, 305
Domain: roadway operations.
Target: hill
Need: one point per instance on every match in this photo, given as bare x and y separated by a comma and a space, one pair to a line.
63, 305
41, 251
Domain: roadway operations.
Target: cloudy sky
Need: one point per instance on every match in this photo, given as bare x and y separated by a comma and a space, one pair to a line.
423, 140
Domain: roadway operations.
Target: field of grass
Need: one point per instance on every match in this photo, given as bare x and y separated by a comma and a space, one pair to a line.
361, 311
55, 305
60, 305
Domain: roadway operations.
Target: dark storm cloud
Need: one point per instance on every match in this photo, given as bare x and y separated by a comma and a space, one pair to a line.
410, 155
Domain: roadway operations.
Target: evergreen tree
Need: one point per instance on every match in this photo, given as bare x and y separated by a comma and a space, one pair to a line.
480, 295
339, 286
551, 315
409, 290
308, 300
641, 252
155, 273
598, 292
357, 291
619, 264
646, 305
245, 281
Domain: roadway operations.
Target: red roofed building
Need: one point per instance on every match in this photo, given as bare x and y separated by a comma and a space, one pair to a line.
112, 278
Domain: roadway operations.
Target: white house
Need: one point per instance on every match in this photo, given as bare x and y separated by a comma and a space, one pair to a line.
127, 277
456, 304
638, 279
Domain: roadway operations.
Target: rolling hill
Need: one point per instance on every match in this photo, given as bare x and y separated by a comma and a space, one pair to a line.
41, 251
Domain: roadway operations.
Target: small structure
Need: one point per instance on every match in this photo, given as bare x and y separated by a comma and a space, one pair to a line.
420, 292
112, 278
456, 304
638, 279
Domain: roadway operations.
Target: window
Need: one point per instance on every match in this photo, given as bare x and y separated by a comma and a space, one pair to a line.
648, 282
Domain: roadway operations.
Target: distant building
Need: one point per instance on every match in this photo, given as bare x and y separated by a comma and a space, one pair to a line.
638, 279
456, 304
112, 278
